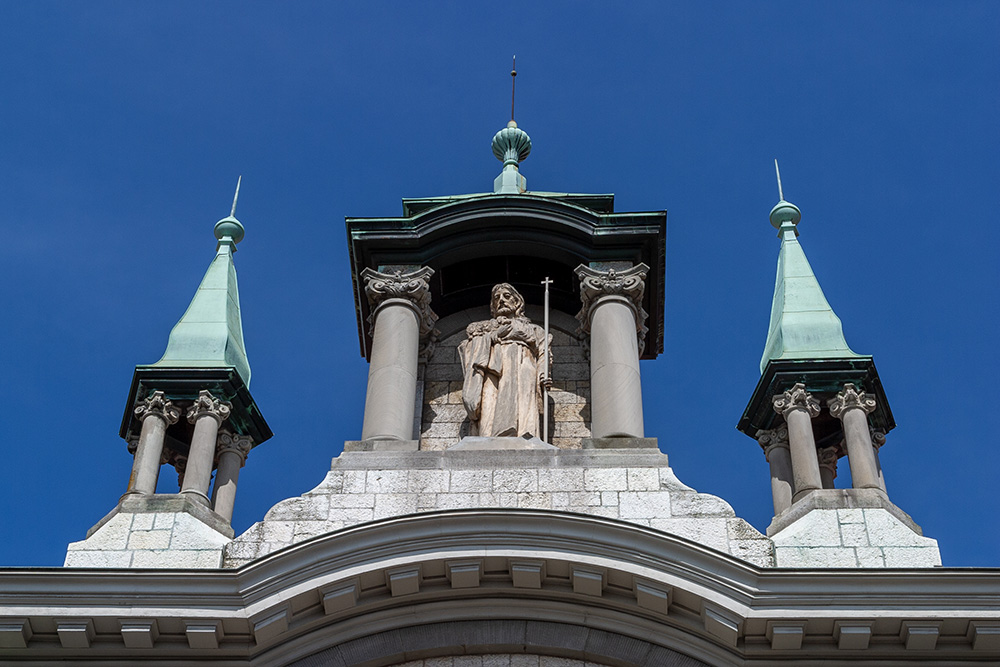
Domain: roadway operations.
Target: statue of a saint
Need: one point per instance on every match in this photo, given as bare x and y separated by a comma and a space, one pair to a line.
502, 362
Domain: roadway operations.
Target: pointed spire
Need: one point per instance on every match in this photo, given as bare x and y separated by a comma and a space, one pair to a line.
803, 325
510, 146
210, 333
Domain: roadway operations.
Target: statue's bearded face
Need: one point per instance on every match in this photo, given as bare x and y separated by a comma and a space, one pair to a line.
506, 301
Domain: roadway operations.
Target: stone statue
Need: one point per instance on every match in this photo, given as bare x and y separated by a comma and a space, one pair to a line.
502, 362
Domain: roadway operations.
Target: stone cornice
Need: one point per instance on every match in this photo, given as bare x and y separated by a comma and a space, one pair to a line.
657, 587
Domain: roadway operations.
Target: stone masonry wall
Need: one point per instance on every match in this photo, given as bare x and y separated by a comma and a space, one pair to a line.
636, 486
443, 419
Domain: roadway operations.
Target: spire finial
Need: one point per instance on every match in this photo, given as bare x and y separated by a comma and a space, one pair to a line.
513, 79
784, 213
229, 230
777, 172
232, 214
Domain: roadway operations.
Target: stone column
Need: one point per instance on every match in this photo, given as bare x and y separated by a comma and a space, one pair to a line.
798, 408
232, 453
878, 439
775, 445
828, 457
400, 316
156, 413
613, 316
207, 414
852, 408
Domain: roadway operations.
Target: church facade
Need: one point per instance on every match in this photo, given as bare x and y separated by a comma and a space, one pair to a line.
503, 505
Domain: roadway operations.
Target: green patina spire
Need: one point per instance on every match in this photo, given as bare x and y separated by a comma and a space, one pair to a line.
803, 325
210, 334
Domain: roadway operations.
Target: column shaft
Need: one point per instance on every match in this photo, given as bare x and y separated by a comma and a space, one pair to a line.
802, 444
224, 493
392, 374
781, 478
615, 386
146, 468
860, 452
198, 473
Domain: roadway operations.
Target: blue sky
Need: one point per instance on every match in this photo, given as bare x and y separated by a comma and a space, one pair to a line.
123, 127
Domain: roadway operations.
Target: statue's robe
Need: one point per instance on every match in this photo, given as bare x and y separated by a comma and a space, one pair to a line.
501, 360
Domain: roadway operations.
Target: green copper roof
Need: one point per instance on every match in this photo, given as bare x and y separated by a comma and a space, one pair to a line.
803, 325
210, 334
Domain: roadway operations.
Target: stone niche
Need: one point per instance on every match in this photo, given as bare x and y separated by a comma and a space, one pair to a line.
443, 421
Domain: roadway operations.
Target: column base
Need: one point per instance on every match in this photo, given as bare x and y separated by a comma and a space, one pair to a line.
839, 499
620, 442
376, 445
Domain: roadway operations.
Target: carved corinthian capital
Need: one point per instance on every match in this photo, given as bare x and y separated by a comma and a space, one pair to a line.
231, 442
413, 287
796, 398
848, 399
206, 404
627, 285
157, 405
878, 437
772, 438
828, 457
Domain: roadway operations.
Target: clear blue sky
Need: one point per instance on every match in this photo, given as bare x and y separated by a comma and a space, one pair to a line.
124, 126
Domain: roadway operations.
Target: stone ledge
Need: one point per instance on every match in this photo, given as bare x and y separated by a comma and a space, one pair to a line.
834, 499
619, 443
167, 503
373, 445
500, 458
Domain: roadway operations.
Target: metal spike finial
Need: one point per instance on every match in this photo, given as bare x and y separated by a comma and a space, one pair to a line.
513, 78
239, 180
777, 172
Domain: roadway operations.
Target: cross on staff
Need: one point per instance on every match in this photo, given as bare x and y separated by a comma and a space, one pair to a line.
545, 364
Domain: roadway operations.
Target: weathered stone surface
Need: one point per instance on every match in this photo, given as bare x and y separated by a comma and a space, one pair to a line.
635, 486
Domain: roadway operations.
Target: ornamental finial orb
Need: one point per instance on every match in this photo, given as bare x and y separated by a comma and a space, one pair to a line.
511, 144
231, 227
784, 212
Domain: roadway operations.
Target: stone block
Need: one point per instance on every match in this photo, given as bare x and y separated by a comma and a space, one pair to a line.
712, 533
605, 479
161, 521
818, 528
609, 498
798, 556
721, 624
278, 531
920, 635
143, 521
394, 504
984, 635
436, 444
149, 539
643, 479
758, 552
203, 634
454, 501
498, 499
852, 635
851, 515
912, 556
352, 516
539, 501
853, 535
139, 634
270, 627
885, 530
527, 574
428, 481
178, 558
386, 481
15, 633
654, 597
305, 508
620, 443
560, 479
349, 501
570, 430
644, 505
785, 635
75, 633
85, 558
699, 504
870, 557
464, 574
515, 481
113, 535
339, 598
467, 481
404, 581
354, 481
305, 530
560, 500
571, 412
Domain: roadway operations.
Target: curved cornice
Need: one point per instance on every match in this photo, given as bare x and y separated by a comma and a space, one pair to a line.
596, 575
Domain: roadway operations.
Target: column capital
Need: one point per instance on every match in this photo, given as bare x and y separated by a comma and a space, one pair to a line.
627, 285
206, 404
796, 398
828, 457
772, 439
411, 287
850, 398
231, 442
157, 405
878, 437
